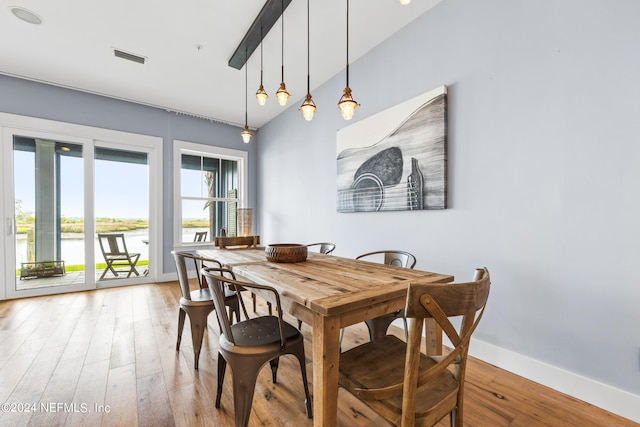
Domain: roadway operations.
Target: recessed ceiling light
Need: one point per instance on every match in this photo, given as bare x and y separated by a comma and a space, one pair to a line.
25, 15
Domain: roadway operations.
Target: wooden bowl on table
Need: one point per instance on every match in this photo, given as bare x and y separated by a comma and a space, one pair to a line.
286, 252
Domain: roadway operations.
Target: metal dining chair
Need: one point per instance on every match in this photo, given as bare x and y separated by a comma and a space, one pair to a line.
198, 303
248, 345
378, 326
324, 248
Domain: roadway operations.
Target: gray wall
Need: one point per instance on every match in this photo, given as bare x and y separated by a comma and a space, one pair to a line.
544, 158
54, 103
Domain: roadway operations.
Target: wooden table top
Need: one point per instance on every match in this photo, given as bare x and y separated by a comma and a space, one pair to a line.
330, 292
326, 284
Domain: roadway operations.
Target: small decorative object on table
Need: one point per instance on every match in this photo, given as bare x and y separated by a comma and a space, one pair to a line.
225, 242
286, 252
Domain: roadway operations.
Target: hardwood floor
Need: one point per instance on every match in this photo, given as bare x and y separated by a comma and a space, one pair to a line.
108, 357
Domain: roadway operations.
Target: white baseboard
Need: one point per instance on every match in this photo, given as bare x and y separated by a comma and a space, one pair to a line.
614, 400
167, 277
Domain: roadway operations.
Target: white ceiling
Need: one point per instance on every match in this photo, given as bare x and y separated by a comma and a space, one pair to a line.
188, 44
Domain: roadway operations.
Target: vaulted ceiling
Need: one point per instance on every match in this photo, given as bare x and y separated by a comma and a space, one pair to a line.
187, 45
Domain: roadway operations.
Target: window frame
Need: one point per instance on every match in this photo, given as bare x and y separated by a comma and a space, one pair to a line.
196, 149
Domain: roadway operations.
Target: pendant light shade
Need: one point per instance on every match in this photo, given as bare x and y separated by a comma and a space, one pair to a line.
347, 104
246, 135
261, 95
308, 107
282, 95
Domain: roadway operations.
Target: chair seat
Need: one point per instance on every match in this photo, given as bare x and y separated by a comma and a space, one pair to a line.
202, 297
199, 297
261, 332
121, 257
381, 363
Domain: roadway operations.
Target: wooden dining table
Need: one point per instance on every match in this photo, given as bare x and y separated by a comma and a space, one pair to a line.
329, 293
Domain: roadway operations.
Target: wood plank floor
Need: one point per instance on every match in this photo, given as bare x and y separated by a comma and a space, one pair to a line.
108, 357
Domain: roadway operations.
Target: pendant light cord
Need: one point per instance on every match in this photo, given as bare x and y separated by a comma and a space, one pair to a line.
347, 43
308, 51
261, 55
246, 107
282, 17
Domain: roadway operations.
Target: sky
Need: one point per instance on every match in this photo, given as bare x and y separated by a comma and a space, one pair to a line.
121, 189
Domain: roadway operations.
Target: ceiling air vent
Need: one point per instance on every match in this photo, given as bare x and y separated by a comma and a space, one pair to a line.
129, 56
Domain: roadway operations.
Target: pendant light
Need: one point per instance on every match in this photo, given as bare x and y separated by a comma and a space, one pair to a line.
246, 135
347, 105
282, 95
261, 95
308, 107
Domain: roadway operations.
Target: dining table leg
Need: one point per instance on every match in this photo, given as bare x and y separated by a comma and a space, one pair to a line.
433, 338
326, 357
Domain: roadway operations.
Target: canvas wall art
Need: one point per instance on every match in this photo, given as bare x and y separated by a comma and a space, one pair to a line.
396, 159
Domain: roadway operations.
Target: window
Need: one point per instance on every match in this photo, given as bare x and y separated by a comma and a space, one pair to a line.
210, 185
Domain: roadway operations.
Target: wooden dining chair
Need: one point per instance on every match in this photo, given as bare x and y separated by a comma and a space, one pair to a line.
248, 345
378, 326
403, 385
324, 248
198, 303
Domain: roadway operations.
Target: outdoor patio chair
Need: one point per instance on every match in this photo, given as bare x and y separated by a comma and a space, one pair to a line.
115, 253
201, 236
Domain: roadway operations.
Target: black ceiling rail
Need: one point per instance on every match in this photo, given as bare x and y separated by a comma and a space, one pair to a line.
268, 16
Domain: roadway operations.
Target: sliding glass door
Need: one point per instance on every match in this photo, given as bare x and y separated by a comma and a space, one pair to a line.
49, 218
122, 213
77, 210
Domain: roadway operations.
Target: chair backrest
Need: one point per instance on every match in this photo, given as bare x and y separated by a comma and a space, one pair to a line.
112, 244
440, 302
324, 248
181, 259
220, 278
393, 257
200, 236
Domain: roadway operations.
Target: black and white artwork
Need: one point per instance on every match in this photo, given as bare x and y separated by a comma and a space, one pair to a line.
396, 159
